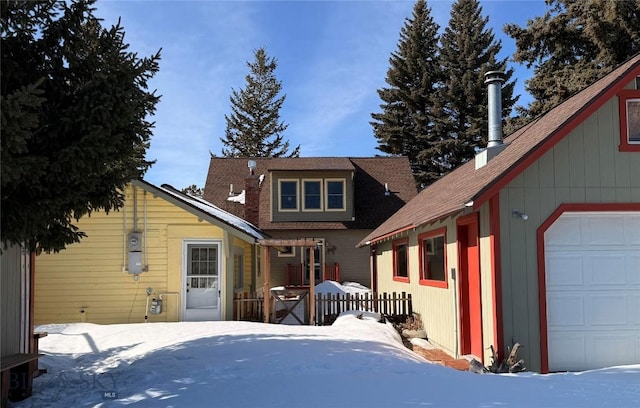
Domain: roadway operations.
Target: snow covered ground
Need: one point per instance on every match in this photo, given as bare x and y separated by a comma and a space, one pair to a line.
353, 363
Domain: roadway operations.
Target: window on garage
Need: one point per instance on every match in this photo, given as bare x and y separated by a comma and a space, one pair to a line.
401, 260
432, 252
629, 106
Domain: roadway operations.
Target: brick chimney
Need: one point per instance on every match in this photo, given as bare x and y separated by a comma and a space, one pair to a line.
252, 195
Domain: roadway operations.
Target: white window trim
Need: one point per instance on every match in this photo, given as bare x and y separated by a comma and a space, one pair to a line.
291, 254
628, 101
303, 196
280, 209
344, 194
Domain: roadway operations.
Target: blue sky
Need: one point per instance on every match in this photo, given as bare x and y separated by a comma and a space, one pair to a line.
332, 58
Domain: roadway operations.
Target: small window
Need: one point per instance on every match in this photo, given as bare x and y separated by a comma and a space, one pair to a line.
633, 120
238, 272
288, 195
335, 195
432, 258
287, 252
629, 105
401, 260
312, 192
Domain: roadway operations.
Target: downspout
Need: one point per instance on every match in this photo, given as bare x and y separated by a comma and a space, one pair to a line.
455, 311
124, 233
145, 267
135, 209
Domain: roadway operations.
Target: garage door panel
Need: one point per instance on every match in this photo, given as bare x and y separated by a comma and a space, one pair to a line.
632, 231
592, 271
567, 352
569, 310
606, 269
564, 270
632, 268
566, 232
602, 231
610, 349
607, 310
634, 311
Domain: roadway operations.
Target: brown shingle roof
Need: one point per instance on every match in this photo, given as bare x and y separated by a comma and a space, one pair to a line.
371, 205
468, 186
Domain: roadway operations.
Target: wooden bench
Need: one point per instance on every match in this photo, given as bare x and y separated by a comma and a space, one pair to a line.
16, 376
17, 373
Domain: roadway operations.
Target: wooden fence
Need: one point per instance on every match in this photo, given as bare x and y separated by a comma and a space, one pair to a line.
329, 306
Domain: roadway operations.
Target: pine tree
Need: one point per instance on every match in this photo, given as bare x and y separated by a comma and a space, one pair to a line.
406, 124
74, 104
468, 51
193, 191
572, 45
254, 128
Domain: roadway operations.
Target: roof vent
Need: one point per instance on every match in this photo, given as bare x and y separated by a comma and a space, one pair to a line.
494, 81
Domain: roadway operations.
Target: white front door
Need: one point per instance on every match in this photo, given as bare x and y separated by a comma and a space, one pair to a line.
202, 280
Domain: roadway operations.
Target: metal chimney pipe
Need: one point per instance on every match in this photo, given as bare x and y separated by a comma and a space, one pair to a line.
494, 81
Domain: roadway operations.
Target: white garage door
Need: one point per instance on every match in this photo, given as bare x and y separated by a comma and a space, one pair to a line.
593, 290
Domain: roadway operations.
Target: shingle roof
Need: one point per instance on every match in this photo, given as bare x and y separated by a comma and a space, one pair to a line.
467, 186
372, 207
202, 208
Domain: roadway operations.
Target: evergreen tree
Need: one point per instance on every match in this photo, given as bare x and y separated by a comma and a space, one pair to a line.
468, 51
74, 104
406, 125
572, 45
193, 191
254, 128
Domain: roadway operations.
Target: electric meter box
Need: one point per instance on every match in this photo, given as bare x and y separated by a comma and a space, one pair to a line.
135, 262
134, 241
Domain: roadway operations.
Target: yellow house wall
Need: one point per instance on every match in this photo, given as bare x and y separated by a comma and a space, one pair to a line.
89, 281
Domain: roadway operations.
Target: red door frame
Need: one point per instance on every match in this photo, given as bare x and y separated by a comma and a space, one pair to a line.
469, 286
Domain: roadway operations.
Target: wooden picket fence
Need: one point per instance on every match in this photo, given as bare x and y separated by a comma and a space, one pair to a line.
395, 306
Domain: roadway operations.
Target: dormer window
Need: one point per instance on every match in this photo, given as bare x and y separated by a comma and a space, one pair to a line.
312, 192
335, 194
288, 198
629, 105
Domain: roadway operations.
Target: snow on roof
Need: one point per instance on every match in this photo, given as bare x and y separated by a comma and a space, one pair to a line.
215, 212
238, 198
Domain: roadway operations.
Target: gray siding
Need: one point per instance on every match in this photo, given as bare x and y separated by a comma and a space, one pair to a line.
584, 167
10, 300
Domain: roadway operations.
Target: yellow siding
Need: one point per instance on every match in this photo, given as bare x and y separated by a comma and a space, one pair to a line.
89, 281
437, 307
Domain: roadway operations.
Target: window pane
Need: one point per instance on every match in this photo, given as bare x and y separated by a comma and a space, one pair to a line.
433, 252
335, 194
288, 198
312, 195
633, 120
401, 261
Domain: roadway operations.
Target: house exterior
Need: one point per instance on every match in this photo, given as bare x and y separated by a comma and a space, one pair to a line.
334, 200
536, 241
164, 256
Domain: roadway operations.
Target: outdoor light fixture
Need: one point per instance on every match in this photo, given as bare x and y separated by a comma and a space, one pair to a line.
518, 213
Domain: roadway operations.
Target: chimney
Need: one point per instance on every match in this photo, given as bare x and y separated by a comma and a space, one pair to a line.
252, 195
494, 81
